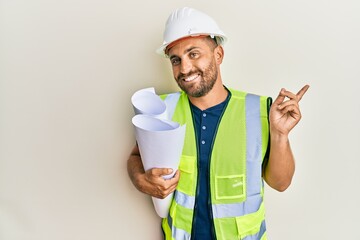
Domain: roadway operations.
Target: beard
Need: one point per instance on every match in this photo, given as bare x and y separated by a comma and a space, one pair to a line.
207, 81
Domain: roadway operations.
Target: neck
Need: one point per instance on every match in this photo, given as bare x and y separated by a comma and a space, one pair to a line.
217, 95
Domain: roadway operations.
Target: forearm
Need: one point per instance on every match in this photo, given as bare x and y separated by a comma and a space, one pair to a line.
280, 168
135, 168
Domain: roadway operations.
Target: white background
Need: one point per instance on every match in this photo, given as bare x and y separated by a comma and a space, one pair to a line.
69, 68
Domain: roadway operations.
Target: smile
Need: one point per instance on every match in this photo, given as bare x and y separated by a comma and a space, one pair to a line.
191, 78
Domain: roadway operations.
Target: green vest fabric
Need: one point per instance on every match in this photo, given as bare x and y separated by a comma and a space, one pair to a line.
236, 184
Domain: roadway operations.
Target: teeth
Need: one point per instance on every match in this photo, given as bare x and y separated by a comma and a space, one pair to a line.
191, 78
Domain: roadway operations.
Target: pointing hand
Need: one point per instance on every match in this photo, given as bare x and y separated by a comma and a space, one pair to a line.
285, 112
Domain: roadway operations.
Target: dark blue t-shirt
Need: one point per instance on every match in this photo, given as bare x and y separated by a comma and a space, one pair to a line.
205, 123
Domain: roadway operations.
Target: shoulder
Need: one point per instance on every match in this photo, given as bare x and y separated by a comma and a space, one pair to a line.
237, 95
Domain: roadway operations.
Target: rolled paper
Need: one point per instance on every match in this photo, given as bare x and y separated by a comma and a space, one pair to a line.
145, 101
160, 140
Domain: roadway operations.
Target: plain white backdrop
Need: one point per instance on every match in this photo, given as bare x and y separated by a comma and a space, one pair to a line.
69, 68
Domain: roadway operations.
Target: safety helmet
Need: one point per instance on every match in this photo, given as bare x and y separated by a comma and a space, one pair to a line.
185, 22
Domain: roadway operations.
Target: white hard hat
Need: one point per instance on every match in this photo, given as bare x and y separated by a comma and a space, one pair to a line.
185, 22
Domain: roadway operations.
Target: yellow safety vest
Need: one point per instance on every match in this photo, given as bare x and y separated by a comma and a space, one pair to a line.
236, 184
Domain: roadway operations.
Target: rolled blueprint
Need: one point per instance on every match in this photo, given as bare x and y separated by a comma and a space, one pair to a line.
160, 144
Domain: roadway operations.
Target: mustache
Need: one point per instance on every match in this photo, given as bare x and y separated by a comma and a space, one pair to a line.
181, 75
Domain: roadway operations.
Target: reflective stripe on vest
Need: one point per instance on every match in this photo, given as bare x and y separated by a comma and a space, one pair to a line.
253, 151
184, 200
251, 205
233, 218
180, 234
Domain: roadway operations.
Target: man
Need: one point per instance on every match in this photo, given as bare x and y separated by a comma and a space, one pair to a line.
227, 153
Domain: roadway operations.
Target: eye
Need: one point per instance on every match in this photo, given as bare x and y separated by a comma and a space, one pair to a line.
194, 54
175, 61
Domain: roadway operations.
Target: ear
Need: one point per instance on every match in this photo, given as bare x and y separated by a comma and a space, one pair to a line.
219, 54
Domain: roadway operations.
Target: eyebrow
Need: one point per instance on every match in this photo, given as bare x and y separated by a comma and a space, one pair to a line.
186, 51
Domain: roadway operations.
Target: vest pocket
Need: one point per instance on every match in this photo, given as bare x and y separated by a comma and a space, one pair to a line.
251, 224
230, 187
187, 175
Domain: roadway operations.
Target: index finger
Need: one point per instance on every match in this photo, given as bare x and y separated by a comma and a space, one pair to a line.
302, 91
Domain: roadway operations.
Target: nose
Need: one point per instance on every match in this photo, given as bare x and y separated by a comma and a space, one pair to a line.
185, 66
